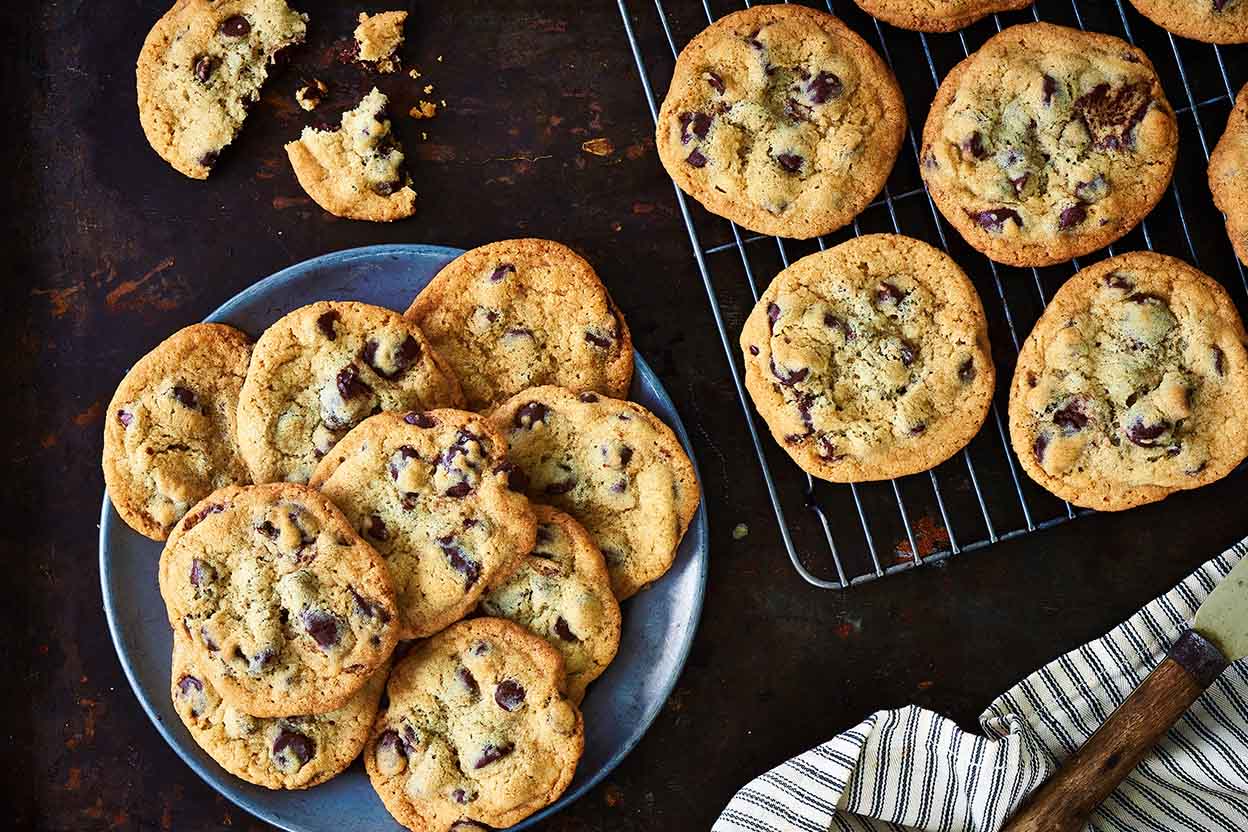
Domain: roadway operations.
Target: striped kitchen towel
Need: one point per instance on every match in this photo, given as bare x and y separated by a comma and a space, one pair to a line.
912, 769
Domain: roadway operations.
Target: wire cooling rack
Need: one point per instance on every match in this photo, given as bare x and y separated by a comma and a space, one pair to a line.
837, 535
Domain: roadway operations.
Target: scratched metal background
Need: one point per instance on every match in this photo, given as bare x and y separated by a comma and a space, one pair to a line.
108, 250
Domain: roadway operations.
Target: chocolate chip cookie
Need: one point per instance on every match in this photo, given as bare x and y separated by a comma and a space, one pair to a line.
612, 465
1048, 143
357, 170
937, 15
522, 313
1132, 385
429, 491
169, 432
378, 39
1228, 175
1213, 21
478, 730
202, 67
324, 368
294, 752
870, 360
562, 592
287, 610
781, 119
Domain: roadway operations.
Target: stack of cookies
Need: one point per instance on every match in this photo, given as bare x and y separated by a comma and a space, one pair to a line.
468, 475
870, 360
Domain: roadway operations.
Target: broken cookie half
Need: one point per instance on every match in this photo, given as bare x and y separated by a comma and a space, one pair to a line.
378, 38
355, 171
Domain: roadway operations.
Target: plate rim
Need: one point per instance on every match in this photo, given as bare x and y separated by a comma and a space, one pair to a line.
699, 526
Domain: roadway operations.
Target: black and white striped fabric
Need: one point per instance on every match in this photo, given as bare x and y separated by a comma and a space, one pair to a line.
913, 769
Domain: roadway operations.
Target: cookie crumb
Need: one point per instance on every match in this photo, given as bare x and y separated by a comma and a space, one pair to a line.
428, 89
739, 531
413, 73
424, 137
439, 59
379, 38
599, 147
425, 109
309, 95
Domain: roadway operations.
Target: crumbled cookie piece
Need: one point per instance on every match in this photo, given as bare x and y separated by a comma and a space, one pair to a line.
309, 96
425, 109
378, 38
356, 171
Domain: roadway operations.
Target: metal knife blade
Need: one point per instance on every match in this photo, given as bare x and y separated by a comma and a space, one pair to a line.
1223, 618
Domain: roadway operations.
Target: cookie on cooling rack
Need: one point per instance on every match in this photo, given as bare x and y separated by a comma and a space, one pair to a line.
522, 313
937, 15
1048, 143
478, 732
430, 492
870, 360
1213, 21
781, 119
1132, 385
1228, 175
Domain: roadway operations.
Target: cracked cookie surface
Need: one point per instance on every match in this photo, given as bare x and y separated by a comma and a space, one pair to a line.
169, 432
1132, 385
429, 491
356, 171
937, 15
202, 65
781, 119
1228, 175
870, 360
294, 752
523, 313
1212, 21
1048, 143
562, 592
324, 368
612, 465
477, 731
287, 611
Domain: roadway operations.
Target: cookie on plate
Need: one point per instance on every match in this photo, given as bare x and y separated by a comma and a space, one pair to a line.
429, 491
1048, 143
355, 171
169, 432
937, 15
286, 609
477, 731
870, 360
201, 68
522, 313
612, 465
324, 368
562, 592
1228, 175
294, 752
781, 119
1132, 385
1213, 21
378, 39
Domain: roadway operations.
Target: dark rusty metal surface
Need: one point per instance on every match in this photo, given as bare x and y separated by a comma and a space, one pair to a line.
108, 250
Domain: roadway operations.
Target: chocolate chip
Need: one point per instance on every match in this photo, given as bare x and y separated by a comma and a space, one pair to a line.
790, 162
204, 67
185, 396
753, 41
1070, 417
258, 661
597, 340
509, 694
1115, 280
187, 684
1018, 183
468, 681
909, 352
773, 315
1050, 87
125, 417
918, 429
491, 753
888, 293
268, 530
994, 219
299, 746
462, 797
201, 573
211, 645
563, 630
966, 371
367, 608
716, 82
349, 384
1038, 447
193, 520
389, 740
795, 111
387, 187
517, 480
325, 323
1145, 433
460, 561
696, 159
479, 648
974, 145
827, 450
1219, 360
459, 490
407, 354
375, 527
235, 26
1111, 114
588, 398
530, 414
1219, 5
789, 379
210, 158
420, 420
753, 350
1072, 216
824, 87
322, 626
694, 124
1092, 190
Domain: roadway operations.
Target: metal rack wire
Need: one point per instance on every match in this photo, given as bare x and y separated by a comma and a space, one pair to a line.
980, 496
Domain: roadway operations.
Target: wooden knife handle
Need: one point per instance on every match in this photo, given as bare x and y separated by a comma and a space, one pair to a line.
1066, 801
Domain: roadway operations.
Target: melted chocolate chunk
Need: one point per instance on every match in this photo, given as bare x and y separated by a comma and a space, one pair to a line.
468, 681
185, 397
1050, 87
530, 414
205, 65
1039, 446
325, 323
299, 746
502, 271
696, 159
349, 384
517, 480
1072, 216
420, 420
791, 378
322, 626
492, 753
693, 125
563, 630
966, 371
716, 82
824, 87
407, 354
125, 417
1111, 114
1070, 417
974, 145
1145, 433
791, 162
600, 341
460, 561
193, 520
509, 694
235, 26
994, 219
